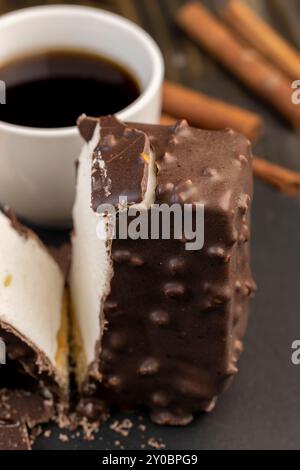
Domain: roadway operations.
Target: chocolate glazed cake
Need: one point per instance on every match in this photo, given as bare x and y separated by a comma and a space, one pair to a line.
33, 334
157, 325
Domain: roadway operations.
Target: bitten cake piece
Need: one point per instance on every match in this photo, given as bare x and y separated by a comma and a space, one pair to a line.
33, 333
158, 325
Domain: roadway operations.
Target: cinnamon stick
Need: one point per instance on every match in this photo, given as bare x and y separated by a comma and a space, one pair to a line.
286, 181
262, 37
248, 65
208, 113
167, 120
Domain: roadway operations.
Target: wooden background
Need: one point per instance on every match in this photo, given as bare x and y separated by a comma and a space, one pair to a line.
186, 63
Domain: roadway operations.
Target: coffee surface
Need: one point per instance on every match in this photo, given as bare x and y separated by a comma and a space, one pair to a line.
51, 89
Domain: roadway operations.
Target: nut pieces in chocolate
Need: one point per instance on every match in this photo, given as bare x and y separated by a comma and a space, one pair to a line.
155, 223
165, 325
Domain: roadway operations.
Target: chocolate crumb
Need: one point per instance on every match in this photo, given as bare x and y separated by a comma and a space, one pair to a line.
47, 433
64, 438
122, 427
156, 444
89, 429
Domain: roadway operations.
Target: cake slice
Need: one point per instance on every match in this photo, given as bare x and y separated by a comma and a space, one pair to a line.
33, 330
158, 324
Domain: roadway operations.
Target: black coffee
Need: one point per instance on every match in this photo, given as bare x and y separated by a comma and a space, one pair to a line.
52, 88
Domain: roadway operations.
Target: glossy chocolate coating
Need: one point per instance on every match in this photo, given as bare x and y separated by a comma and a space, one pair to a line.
176, 319
28, 391
13, 436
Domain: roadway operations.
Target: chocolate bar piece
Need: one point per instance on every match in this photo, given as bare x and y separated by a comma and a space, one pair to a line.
33, 331
14, 436
159, 325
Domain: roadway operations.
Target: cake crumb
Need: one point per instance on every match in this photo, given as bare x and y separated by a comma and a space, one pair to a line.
142, 427
89, 429
122, 427
36, 432
47, 433
156, 444
63, 438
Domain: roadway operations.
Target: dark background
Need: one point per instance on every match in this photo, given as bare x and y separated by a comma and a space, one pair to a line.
262, 407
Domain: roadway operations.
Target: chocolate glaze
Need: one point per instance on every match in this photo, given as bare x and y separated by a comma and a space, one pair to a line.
26, 406
14, 436
29, 390
27, 365
87, 127
121, 149
175, 320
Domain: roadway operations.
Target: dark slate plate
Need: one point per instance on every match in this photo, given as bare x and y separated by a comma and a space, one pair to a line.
262, 407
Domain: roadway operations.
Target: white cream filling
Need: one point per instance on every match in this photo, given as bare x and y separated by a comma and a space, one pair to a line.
91, 269
31, 289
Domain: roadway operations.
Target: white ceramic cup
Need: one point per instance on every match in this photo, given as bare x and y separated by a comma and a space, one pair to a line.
37, 166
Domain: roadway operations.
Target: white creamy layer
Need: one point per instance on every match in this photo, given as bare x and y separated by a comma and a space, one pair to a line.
92, 271
31, 289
